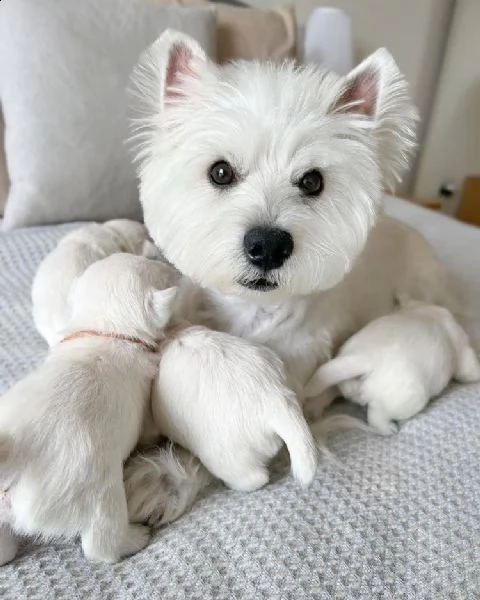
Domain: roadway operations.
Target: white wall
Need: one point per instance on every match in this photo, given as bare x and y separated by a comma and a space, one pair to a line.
452, 146
415, 32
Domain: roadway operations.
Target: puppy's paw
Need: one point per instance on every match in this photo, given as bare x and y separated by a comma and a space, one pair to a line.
468, 366
379, 421
249, 482
390, 428
136, 538
96, 552
314, 407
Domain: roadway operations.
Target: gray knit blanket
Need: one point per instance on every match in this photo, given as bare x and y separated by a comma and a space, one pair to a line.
395, 518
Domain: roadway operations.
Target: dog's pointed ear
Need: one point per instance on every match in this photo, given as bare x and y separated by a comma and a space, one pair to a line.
377, 90
184, 62
161, 302
170, 69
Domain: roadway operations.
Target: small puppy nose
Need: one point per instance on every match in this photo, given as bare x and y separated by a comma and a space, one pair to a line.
267, 247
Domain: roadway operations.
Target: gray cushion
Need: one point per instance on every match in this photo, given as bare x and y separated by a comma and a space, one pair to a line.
66, 132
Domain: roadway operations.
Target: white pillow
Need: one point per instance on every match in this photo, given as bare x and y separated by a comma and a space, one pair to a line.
64, 74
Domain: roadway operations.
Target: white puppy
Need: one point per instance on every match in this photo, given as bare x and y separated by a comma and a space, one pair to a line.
66, 429
397, 363
227, 400
73, 254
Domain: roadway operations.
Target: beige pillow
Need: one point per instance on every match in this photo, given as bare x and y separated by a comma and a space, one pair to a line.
251, 33
4, 182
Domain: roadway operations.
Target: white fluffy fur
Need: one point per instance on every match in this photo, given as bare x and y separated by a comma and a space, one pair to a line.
73, 254
161, 483
67, 427
272, 123
397, 363
227, 400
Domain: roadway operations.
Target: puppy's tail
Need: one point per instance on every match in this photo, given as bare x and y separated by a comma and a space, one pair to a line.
334, 372
290, 424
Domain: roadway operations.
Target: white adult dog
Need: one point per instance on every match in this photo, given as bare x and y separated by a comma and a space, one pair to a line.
73, 254
397, 363
264, 183
66, 429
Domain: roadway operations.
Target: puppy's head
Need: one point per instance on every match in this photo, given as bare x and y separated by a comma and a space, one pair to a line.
266, 179
130, 234
126, 294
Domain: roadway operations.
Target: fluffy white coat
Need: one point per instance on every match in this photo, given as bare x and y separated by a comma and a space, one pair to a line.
397, 363
272, 124
66, 429
73, 254
228, 401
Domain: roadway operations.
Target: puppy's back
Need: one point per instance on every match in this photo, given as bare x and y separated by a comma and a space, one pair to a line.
70, 420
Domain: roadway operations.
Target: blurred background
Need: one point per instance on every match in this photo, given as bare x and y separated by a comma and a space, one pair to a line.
435, 43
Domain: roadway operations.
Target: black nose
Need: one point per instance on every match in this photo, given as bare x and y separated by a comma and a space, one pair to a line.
267, 247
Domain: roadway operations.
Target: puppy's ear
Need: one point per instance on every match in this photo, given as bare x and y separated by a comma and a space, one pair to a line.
161, 302
377, 90
170, 70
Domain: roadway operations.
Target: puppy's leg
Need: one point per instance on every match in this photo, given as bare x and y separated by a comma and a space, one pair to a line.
8, 545
109, 535
315, 407
247, 479
468, 366
379, 419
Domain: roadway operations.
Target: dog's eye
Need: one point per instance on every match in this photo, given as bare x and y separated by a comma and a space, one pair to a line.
222, 173
311, 183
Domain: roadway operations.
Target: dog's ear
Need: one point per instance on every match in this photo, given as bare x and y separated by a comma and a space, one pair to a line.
377, 90
184, 62
170, 69
161, 303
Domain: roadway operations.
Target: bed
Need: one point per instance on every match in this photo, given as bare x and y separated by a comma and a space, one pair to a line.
390, 518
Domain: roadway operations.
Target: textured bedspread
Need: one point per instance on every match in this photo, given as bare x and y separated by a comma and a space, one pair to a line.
398, 518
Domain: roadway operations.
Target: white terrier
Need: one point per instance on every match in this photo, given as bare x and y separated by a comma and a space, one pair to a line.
397, 363
73, 254
227, 400
264, 184
67, 427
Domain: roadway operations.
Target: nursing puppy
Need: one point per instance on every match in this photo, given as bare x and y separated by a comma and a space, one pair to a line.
397, 363
73, 254
228, 401
66, 429
264, 184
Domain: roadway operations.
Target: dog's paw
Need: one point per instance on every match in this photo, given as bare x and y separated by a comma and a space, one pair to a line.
390, 428
380, 421
468, 367
314, 407
136, 538
249, 482
96, 552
